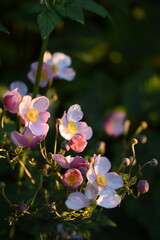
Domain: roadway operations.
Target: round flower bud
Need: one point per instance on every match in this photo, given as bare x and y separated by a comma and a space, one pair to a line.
144, 124
143, 186
91, 160
11, 101
142, 139
21, 207
65, 146
134, 141
153, 162
132, 161
126, 161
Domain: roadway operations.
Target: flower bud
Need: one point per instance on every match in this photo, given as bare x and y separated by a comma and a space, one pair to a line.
132, 161
143, 186
11, 101
91, 160
134, 141
153, 162
142, 139
21, 207
65, 146
101, 147
2, 184
144, 124
126, 161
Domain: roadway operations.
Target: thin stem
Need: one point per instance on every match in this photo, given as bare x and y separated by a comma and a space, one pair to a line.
56, 137
26, 171
21, 167
39, 69
35, 195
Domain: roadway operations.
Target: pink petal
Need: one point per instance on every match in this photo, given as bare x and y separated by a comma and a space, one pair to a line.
85, 129
47, 57
39, 128
61, 160
18, 139
114, 180
102, 165
25, 104
109, 200
77, 200
40, 103
74, 113
36, 140
43, 116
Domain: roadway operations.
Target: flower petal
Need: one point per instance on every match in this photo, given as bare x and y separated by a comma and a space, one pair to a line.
114, 180
40, 103
83, 128
18, 139
22, 87
61, 60
61, 160
39, 128
102, 165
91, 191
91, 176
74, 113
67, 74
77, 200
43, 116
65, 132
109, 200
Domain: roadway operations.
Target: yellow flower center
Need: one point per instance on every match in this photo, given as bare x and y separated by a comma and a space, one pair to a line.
101, 180
55, 68
72, 178
43, 75
32, 115
72, 127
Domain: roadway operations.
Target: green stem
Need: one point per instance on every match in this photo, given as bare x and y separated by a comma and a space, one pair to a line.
39, 69
21, 169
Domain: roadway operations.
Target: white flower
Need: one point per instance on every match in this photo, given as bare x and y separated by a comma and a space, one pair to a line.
99, 175
78, 200
60, 65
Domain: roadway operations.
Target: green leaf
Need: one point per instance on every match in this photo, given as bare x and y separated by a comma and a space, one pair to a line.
3, 29
47, 21
93, 7
71, 11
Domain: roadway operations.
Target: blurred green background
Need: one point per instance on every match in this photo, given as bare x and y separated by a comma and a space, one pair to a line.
118, 67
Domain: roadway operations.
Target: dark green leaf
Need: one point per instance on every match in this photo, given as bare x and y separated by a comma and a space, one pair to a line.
3, 29
47, 21
93, 7
71, 11
34, 8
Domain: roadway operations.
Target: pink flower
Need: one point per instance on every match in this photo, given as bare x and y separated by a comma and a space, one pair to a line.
71, 162
46, 74
60, 65
27, 139
98, 174
34, 114
11, 100
78, 142
72, 178
114, 124
72, 125
78, 200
